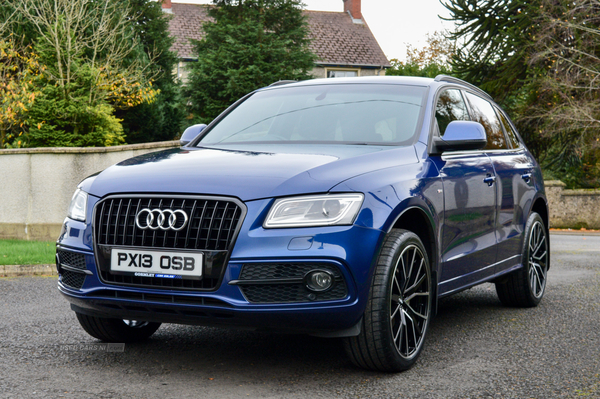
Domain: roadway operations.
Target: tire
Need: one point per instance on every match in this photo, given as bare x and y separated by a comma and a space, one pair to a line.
116, 330
399, 308
525, 287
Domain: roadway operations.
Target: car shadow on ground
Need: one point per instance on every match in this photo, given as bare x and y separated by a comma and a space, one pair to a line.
215, 351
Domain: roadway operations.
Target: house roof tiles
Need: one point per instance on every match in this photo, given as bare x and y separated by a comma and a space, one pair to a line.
186, 24
336, 39
339, 41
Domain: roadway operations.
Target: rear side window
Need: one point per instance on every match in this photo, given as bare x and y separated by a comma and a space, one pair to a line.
483, 112
450, 107
512, 136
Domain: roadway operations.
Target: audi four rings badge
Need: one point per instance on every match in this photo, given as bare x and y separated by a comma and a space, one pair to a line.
157, 219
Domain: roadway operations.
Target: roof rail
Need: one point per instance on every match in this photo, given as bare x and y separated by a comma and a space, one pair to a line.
282, 82
451, 79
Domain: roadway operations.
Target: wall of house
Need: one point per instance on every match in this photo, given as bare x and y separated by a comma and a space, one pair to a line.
37, 184
321, 71
182, 71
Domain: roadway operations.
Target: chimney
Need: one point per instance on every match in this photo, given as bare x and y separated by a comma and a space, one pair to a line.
166, 6
353, 8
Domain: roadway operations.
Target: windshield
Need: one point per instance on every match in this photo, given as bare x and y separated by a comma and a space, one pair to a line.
347, 114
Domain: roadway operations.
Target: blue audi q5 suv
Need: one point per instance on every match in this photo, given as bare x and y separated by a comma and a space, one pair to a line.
333, 207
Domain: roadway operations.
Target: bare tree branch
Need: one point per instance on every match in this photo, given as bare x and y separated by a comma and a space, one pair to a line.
95, 32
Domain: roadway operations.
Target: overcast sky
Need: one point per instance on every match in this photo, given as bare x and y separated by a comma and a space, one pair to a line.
393, 22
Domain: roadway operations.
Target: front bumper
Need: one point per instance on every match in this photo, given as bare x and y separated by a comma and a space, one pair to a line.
347, 249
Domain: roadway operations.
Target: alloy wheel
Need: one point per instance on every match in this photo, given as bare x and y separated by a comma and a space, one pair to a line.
538, 259
409, 307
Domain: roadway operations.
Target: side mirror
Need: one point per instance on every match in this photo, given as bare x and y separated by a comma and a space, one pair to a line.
461, 136
191, 133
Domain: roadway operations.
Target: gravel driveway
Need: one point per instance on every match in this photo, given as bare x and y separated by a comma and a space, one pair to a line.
476, 348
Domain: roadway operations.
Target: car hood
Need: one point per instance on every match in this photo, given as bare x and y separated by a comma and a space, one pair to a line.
247, 172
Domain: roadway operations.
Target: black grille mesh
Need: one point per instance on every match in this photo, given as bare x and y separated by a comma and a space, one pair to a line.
72, 259
162, 298
289, 293
268, 271
272, 291
205, 283
211, 226
72, 279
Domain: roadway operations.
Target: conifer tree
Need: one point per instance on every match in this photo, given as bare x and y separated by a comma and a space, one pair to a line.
540, 59
248, 45
494, 38
161, 119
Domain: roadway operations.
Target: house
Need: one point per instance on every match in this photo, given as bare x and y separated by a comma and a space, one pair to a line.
342, 41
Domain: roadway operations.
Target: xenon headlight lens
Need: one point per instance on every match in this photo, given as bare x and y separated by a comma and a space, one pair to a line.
314, 210
78, 207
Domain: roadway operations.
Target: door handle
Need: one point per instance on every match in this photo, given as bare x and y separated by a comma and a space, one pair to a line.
489, 180
526, 177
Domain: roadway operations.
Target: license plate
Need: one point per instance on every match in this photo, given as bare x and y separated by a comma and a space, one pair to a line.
157, 263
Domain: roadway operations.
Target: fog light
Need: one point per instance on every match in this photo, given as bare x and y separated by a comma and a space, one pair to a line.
319, 280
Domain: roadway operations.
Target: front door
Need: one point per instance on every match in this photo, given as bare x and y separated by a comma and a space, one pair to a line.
468, 243
468, 235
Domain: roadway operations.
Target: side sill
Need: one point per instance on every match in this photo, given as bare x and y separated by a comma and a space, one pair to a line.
489, 279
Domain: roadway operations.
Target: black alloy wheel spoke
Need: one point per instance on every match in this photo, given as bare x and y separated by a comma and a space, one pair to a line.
409, 302
410, 290
538, 260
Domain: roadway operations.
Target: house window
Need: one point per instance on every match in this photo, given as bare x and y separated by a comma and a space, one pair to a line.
342, 73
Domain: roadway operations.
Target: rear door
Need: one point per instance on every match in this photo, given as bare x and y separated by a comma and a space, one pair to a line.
513, 170
517, 164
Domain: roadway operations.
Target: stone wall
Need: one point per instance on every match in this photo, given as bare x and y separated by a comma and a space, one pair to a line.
572, 208
36, 184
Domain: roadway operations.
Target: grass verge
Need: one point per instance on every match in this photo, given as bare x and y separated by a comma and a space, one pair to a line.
19, 252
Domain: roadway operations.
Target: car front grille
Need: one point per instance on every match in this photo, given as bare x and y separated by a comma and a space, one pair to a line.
72, 259
74, 277
211, 228
290, 293
165, 299
274, 283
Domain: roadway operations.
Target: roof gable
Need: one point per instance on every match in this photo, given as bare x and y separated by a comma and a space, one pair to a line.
336, 39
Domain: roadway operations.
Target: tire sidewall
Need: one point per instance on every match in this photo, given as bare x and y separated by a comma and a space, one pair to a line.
403, 239
531, 221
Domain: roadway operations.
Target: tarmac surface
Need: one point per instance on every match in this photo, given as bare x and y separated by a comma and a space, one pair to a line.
476, 348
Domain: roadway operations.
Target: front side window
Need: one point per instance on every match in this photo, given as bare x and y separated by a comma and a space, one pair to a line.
346, 113
483, 112
450, 107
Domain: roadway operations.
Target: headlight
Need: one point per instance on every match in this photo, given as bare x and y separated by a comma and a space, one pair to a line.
78, 207
315, 210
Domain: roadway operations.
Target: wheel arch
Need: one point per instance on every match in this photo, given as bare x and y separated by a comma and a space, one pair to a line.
418, 221
540, 206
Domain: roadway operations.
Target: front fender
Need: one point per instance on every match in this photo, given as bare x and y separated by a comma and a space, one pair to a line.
390, 192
